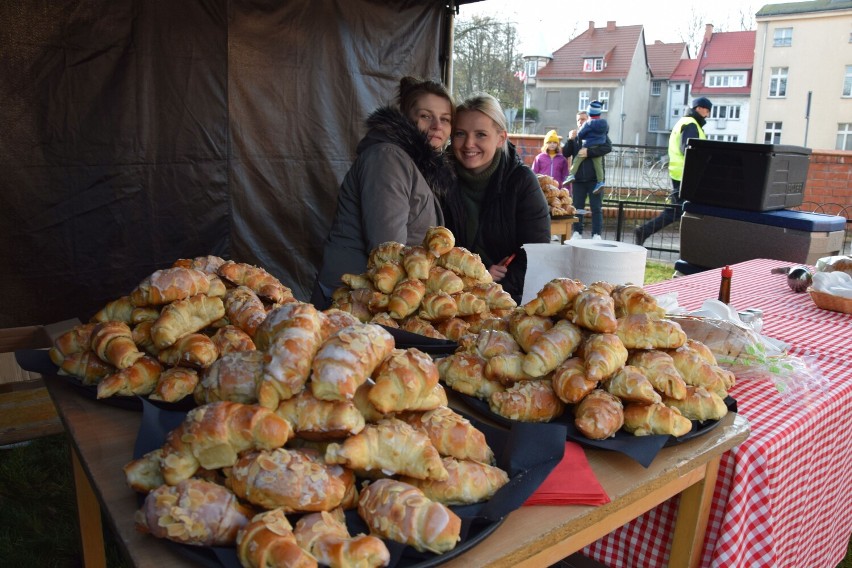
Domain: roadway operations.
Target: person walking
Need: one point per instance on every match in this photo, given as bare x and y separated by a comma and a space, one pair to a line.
585, 180
691, 125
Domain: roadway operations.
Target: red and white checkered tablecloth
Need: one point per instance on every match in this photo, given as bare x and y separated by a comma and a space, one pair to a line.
784, 496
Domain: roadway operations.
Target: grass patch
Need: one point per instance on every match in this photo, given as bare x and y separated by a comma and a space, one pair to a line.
657, 272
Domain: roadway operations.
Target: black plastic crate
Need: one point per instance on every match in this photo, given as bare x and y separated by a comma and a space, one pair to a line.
754, 177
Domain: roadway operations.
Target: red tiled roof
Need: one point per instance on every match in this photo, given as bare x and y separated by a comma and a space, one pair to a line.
616, 44
663, 58
725, 50
685, 70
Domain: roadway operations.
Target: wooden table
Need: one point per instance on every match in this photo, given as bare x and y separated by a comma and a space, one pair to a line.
562, 226
103, 437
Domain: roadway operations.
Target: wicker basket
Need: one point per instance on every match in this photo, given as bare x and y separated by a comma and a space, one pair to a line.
831, 302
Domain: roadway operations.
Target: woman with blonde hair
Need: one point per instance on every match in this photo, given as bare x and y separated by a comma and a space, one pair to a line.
551, 162
496, 205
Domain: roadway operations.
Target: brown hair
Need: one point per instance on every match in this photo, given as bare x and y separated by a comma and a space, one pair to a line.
411, 89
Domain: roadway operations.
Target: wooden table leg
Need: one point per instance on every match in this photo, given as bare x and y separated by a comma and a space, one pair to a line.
692, 516
89, 514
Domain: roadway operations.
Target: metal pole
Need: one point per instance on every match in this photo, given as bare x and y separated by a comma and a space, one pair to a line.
807, 116
524, 114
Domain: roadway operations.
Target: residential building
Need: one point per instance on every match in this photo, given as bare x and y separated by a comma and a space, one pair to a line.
671, 74
802, 93
608, 64
724, 75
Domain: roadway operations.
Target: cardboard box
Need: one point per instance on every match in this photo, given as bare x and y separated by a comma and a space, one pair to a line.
712, 237
753, 177
26, 410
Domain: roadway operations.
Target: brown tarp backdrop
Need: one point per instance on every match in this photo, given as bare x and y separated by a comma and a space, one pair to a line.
136, 132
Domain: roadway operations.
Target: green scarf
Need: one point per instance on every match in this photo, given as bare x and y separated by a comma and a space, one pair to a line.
474, 188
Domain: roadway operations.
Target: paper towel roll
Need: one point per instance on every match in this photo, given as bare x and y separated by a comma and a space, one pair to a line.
584, 260
611, 261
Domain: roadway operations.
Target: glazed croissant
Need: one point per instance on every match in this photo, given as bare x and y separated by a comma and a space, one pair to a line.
643, 331
194, 350
211, 436
660, 369
438, 306
491, 343
604, 354
141, 334
405, 380
168, 285
698, 372
526, 329
468, 482
113, 343
230, 338
417, 262
86, 366
699, 404
649, 419
391, 446
406, 298
175, 384
569, 381
345, 360
494, 295
631, 385
595, 310
453, 328
420, 326
527, 401
333, 320
184, 317
315, 419
288, 358
195, 512
244, 309
465, 263
385, 253
76, 340
552, 348
507, 368
117, 310
268, 540
468, 304
452, 434
209, 264
443, 280
290, 480
386, 276
599, 415
402, 513
234, 376
465, 373
633, 299
439, 241
554, 297
143, 475
326, 537
257, 279
140, 378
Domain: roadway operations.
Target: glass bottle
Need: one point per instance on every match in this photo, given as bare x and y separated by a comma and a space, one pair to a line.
725, 285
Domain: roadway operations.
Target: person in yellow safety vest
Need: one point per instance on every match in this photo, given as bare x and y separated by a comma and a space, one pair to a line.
690, 126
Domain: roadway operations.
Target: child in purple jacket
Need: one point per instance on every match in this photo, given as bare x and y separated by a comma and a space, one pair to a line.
550, 161
593, 133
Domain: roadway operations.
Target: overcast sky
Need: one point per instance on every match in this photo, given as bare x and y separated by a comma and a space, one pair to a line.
555, 22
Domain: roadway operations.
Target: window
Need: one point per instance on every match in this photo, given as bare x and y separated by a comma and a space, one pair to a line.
778, 82
531, 67
717, 80
593, 64
584, 101
656, 88
844, 136
772, 133
731, 112
677, 87
654, 123
783, 37
847, 82
551, 100
723, 137
603, 97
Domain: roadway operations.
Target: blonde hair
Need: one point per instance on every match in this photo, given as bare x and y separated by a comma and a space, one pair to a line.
490, 107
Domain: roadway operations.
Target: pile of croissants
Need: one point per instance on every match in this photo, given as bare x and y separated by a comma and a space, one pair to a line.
604, 350
559, 200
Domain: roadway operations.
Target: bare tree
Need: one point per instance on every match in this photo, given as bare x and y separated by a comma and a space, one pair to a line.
692, 33
485, 59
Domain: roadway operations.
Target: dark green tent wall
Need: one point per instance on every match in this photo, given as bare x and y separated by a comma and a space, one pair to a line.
136, 132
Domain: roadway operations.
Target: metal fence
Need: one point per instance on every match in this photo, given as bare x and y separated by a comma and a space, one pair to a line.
638, 188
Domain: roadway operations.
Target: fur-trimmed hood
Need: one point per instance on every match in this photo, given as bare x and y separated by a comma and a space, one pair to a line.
389, 126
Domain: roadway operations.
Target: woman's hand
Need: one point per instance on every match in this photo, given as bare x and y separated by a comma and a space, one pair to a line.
498, 271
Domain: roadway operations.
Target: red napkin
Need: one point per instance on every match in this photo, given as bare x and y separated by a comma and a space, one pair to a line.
572, 482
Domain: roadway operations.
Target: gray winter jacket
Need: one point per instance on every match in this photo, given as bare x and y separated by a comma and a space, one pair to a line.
389, 194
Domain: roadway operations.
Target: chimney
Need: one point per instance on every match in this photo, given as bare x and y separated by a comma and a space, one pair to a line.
591, 27
610, 26
708, 32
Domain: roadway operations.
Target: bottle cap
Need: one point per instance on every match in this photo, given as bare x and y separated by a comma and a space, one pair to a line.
727, 272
